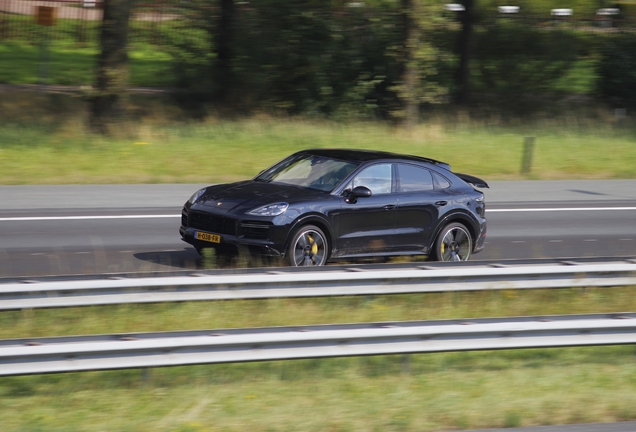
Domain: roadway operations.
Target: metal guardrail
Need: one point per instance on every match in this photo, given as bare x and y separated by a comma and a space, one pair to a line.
136, 350
276, 284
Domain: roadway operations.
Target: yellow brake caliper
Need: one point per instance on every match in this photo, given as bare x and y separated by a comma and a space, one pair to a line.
314, 245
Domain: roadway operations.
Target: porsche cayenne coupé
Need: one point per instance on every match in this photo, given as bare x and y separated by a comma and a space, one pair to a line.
329, 204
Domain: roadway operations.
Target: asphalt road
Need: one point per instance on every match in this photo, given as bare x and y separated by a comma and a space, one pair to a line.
73, 229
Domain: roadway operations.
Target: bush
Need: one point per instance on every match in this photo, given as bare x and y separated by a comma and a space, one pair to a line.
516, 62
617, 71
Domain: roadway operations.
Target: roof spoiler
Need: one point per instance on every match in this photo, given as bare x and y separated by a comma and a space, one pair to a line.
475, 181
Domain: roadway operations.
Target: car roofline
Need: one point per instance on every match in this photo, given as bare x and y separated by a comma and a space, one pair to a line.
371, 156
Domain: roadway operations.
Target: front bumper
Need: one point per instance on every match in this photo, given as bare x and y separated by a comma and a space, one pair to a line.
256, 236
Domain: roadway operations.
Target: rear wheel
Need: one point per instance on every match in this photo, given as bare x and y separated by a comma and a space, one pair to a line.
309, 247
453, 243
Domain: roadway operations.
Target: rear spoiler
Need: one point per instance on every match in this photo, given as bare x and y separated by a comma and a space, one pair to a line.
477, 182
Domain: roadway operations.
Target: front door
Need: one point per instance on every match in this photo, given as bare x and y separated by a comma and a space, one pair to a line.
366, 225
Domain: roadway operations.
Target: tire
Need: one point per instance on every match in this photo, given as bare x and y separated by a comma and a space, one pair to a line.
453, 243
309, 247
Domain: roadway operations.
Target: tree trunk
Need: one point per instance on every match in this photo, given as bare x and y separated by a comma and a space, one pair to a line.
467, 18
223, 45
410, 76
112, 67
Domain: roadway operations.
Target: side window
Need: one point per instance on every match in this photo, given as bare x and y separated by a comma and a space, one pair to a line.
440, 182
378, 178
412, 178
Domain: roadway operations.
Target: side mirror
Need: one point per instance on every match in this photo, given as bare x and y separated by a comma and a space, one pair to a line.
361, 192
358, 192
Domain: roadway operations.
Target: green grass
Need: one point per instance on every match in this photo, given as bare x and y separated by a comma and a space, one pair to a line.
74, 64
443, 392
421, 392
43, 140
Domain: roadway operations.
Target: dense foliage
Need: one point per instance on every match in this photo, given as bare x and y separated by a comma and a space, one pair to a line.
617, 70
347, 59
516, 61
344, 59
299, 56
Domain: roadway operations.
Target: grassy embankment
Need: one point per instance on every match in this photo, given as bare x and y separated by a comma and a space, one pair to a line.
407, 393
43, 140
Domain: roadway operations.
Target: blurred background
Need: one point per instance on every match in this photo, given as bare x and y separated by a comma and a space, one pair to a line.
385, 59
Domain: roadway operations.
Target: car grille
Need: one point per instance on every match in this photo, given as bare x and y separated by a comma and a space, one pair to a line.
184, 218
255, 230
211, 223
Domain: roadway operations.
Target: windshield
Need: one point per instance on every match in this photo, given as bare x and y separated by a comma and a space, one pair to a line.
316, 172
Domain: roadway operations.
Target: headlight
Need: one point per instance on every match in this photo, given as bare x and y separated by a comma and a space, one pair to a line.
270, 210
196, 196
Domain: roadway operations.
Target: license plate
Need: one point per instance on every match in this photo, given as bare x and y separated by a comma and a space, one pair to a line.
212, 238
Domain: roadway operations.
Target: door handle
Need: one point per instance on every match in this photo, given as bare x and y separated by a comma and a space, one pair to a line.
389, 207
441, 203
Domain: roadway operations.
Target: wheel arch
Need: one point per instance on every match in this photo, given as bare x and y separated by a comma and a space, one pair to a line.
311, 219
465, 219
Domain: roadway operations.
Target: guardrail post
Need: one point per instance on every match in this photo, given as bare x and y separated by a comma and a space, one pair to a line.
528, 148
406, 364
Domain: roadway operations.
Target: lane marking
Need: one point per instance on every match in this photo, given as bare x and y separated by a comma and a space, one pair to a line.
164, 216
559, 209
52, 218
556, 241
590, 240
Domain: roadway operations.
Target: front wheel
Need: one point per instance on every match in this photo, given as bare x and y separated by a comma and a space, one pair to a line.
309, 247
453, 243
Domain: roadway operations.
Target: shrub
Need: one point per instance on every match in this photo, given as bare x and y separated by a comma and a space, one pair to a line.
617, 71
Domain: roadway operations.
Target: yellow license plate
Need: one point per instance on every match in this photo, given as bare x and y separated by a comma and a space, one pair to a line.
212, 238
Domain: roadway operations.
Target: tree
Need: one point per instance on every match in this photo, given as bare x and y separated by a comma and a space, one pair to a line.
112, 67
410, 76
467, 18
223, 39
419, 61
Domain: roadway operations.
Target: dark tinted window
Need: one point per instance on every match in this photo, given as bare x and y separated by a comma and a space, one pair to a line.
440, 182
412, 178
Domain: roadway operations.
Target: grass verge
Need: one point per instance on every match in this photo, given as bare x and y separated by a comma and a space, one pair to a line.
43, 140
425, 392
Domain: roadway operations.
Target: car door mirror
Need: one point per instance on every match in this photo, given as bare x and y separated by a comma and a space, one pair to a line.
357, 192
360, 192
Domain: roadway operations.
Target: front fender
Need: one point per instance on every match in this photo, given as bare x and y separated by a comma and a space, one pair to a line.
312, 219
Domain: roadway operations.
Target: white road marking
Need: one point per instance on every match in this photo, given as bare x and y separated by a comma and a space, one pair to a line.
559, 209
556, 241
590, 240
518, 241
51, 218
625, 239
163, 216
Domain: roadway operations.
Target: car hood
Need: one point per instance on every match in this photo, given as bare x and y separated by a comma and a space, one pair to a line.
248, 195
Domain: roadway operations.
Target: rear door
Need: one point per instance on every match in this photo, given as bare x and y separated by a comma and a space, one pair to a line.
419, 206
